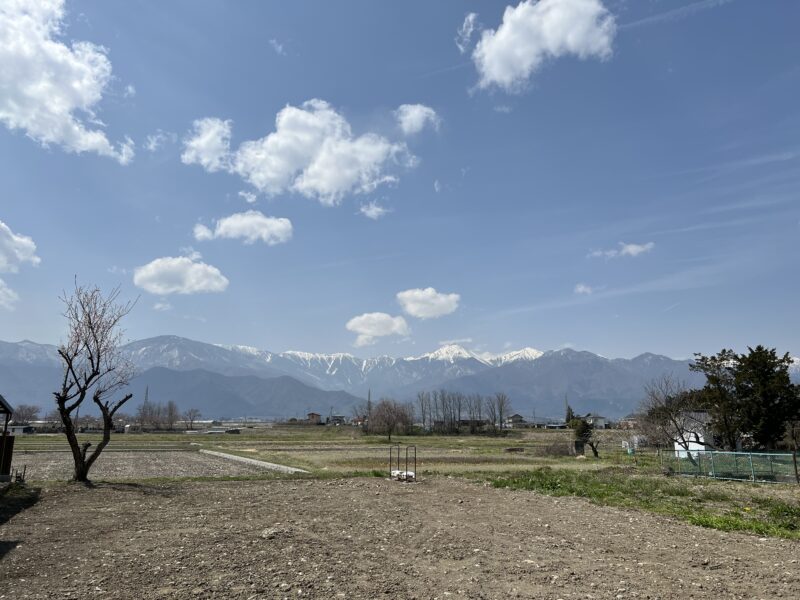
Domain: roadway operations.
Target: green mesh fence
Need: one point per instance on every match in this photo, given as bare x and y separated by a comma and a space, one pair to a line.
747, 466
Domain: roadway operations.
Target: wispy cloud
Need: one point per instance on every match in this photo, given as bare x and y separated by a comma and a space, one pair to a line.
675, 14
278, 47
696, 277
623, 250
467, 340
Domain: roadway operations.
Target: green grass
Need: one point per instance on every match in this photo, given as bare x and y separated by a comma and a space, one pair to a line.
741, 509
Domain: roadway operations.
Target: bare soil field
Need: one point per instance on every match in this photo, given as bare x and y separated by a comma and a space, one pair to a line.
48, 466
370, 538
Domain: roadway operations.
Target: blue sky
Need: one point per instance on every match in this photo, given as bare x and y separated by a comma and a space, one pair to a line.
618, 176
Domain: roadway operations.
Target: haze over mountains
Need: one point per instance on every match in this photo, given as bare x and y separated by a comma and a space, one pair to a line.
236, 381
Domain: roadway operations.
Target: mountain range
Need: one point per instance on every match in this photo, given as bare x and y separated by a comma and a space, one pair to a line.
236, 381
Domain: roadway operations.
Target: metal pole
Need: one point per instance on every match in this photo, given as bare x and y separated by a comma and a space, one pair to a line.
771, 471
796, 473
713, 473
752, 470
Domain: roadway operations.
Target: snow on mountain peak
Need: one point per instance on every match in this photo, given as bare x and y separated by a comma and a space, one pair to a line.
526, 353
448, 353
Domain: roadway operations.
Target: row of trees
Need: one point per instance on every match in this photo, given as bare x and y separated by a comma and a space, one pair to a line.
155, 415
748, 401
440, 412
447, 412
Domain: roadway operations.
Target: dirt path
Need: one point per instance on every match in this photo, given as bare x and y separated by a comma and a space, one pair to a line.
368, 538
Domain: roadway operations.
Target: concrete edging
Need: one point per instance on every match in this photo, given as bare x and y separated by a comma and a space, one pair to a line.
254, 462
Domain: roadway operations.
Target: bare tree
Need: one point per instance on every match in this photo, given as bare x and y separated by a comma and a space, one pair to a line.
503, 404
171, 414
491, 413
390, 416
25, 413
673, 415
93, 367
190, 416
474, 404
424, 402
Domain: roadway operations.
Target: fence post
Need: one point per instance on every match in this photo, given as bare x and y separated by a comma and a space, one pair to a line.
796, 473
752, 470
713, 473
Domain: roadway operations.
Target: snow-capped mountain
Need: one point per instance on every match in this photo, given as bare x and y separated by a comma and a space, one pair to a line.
525, 354
532, 378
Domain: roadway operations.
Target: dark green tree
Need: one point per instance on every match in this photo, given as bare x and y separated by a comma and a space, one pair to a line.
584, 433
768, 399
749, 395
720, 396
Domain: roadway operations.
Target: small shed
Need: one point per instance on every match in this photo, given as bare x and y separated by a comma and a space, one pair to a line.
6, 441
313, 418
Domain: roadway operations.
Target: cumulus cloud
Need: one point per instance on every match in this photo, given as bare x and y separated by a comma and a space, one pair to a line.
179, 275
162, 306
15, 249
250, 226
464, 33
533, 32
373, 210
623, 250
49, 89
427, 303
208, 145
312, 152
371, 326
582, 288
8, 297
412, 118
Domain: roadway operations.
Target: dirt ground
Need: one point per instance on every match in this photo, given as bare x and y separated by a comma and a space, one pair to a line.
48, 466
370, 538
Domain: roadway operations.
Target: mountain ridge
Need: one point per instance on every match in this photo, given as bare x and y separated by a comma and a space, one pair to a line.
535, 380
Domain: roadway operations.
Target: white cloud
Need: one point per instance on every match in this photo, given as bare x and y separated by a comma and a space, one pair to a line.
437, 186
162, 306
45, 83
8, 297
582, 288
373, 210
533, 32
371, 326
312, 152
248, 197
458, 341
427, 303
209, 145
278, 47
623, 250
464, 33
129, 92
15, 249
179, 275
412, 118
156, 140
250, 226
